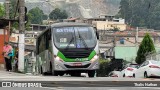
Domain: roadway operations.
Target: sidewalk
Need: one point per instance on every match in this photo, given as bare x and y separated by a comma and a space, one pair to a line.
1, 66
3, 72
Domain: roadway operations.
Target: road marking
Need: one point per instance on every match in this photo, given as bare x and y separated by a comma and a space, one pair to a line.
54, 88
149, 78
149, 88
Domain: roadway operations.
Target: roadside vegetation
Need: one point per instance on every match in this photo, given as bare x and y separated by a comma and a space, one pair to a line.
145, 47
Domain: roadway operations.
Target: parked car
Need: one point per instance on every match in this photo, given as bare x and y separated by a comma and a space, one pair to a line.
148, 68
129, 70
114, 74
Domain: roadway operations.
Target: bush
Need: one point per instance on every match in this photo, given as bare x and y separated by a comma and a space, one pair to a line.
102, 71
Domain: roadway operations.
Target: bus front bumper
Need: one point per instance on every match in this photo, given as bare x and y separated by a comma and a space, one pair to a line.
86, 65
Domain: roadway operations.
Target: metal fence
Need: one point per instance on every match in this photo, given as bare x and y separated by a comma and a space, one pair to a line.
29, 64
153, 56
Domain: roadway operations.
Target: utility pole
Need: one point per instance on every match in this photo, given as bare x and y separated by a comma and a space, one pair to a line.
21, 35
137, 39
114, 45
7, 17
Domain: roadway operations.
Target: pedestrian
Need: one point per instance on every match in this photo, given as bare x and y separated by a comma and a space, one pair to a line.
16, 60
8, 53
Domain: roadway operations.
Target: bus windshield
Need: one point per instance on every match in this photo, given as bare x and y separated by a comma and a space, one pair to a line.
74, 37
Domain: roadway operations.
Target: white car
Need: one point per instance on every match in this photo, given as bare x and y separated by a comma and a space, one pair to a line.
114, 74
129, 70
148, 68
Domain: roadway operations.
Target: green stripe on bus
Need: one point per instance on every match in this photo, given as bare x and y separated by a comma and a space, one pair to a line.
93, 53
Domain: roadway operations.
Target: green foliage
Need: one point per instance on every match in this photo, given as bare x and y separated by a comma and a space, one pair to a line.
58, 14
15, 25
13, 8
45, 17
35, 16
141, 13
13, 13
102, 71
2, 11
146, 46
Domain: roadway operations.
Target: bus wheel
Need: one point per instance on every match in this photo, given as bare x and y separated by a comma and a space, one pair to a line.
91, 73
43, 73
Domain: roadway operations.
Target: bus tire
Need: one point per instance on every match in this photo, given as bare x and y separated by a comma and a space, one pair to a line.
54, 73
51, 70
43, 73
91, 73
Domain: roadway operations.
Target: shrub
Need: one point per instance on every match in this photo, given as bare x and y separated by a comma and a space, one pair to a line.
102, 71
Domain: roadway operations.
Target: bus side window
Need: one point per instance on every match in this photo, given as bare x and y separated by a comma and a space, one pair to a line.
48, 38
38, 45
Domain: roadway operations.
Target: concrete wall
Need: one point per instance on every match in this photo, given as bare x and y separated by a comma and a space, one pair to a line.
106, 25
2, 37
128, 53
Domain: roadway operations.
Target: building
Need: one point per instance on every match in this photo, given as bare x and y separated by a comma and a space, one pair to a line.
30, 37
38, 27
4, 35
3, 38
126, 44
108, 25
91, 20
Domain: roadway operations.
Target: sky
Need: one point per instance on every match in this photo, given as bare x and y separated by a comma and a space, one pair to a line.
25, 0
2, 0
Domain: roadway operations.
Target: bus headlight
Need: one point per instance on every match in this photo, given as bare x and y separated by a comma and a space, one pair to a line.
58, 58
94, 58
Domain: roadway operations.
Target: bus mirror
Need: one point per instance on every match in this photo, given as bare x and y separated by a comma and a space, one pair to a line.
96, 32
97, 35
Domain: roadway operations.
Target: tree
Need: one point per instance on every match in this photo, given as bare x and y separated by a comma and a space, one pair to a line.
35, 16
63, 15
125, 10
141, 13
146, 46
58, 14
2, 11
13, 8
45, 17
13, 13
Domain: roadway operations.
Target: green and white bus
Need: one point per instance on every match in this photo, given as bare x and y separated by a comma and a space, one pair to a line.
68, 48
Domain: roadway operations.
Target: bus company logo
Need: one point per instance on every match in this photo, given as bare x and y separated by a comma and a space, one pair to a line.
78, 59
6, 84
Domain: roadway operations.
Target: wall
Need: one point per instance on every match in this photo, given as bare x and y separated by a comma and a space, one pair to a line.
2, 44
105, 25
128, 53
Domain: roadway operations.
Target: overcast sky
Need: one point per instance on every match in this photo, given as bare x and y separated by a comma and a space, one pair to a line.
2, 0
25, 0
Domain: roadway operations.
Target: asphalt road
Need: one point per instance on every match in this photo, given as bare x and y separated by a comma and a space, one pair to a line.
85, 88
79, 83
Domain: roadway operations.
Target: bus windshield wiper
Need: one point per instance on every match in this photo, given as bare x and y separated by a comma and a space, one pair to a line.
69, 42
86, 47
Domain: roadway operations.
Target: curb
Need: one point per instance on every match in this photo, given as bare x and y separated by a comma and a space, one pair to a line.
1, 66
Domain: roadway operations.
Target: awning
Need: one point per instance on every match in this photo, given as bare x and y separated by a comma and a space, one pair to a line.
5, 22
